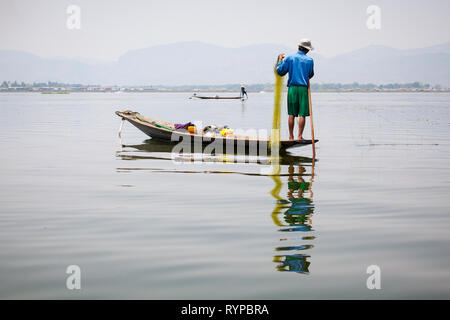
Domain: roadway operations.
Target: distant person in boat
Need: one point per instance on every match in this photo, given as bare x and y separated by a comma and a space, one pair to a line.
300, 68
243, 92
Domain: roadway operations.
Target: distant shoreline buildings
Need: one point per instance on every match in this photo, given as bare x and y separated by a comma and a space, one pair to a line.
56, 87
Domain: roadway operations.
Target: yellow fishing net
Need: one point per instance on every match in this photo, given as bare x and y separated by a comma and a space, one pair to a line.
276, 122
275, 145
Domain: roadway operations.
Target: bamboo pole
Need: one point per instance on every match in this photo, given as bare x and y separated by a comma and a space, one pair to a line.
312, 123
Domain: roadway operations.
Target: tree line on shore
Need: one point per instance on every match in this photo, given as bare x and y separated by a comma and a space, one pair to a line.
355, 86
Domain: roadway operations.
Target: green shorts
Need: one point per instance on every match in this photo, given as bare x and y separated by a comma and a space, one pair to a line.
298, 102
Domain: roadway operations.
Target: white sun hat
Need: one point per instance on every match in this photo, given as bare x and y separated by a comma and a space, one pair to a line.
306, 43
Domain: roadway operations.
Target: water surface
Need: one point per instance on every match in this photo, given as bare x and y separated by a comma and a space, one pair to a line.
141, 225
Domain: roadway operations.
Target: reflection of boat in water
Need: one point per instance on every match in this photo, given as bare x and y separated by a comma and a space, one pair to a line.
157, 150
165, 131
293, 215
165, 153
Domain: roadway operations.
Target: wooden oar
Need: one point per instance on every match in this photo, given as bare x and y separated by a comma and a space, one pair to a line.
312, 124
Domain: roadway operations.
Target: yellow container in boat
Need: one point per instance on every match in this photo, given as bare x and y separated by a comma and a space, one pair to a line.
226, 132
191, 129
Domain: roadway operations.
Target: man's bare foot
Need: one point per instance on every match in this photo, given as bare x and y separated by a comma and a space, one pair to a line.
291, 137
300, 138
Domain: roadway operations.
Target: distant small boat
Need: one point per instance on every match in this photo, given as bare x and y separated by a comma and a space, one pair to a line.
164, 131
217, 97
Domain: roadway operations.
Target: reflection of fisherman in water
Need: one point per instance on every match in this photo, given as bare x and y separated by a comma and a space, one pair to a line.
243, 92
296, 214
301, 209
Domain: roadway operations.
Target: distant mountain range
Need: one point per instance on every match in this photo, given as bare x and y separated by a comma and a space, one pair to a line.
189, 63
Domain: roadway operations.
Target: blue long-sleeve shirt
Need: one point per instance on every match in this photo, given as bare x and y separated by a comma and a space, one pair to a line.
300, 68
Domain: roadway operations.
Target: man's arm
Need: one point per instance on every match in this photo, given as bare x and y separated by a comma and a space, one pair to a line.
311, 74
282, 66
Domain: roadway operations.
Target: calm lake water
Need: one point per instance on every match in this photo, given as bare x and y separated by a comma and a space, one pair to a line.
140, 225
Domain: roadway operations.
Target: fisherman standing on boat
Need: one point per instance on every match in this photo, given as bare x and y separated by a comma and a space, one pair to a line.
300, 68
243, 92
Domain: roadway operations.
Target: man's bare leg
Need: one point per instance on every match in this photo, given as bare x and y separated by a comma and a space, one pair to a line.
291, 127
301, 127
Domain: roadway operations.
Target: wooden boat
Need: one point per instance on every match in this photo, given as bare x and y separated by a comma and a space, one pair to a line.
216, 97
165, 131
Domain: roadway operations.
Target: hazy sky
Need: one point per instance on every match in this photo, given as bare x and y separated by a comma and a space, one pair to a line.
110, 28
